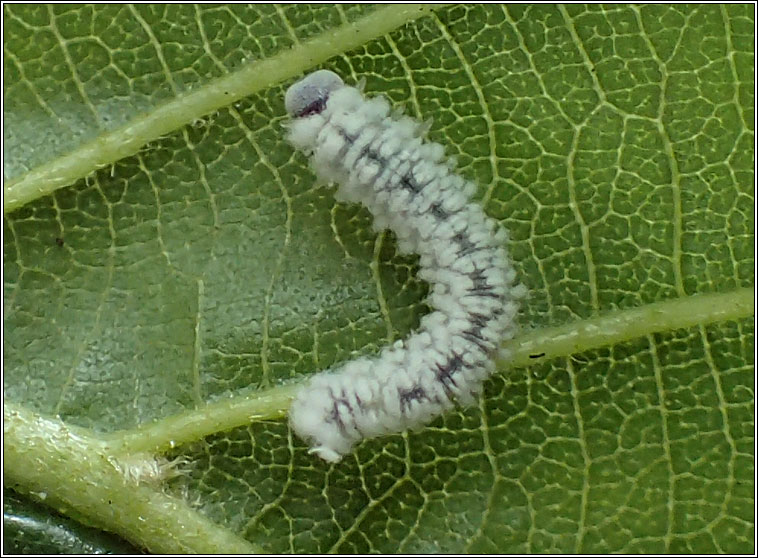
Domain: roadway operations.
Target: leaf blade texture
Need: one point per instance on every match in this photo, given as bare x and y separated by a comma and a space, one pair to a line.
614, 143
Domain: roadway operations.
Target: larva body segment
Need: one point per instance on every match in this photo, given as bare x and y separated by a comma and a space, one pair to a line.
384, 163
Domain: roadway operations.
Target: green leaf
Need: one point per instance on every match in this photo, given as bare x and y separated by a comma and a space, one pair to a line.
172, 275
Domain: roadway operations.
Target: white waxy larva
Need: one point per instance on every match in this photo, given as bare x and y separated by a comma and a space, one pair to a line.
383, 162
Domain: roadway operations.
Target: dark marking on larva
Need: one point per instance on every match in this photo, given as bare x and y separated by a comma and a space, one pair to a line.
537, 355
479, 320
417, 187
475, 336
445, 372
409, 182
316, 107
416, 393
466, 247
438, 212
335, 416
479, 280
483, 289
369, 153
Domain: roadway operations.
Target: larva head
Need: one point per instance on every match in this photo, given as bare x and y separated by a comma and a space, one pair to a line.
309, 95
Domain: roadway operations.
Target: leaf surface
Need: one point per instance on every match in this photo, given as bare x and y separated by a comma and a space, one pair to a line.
614, 143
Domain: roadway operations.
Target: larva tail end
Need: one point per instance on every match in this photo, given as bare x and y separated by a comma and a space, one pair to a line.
327, 454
